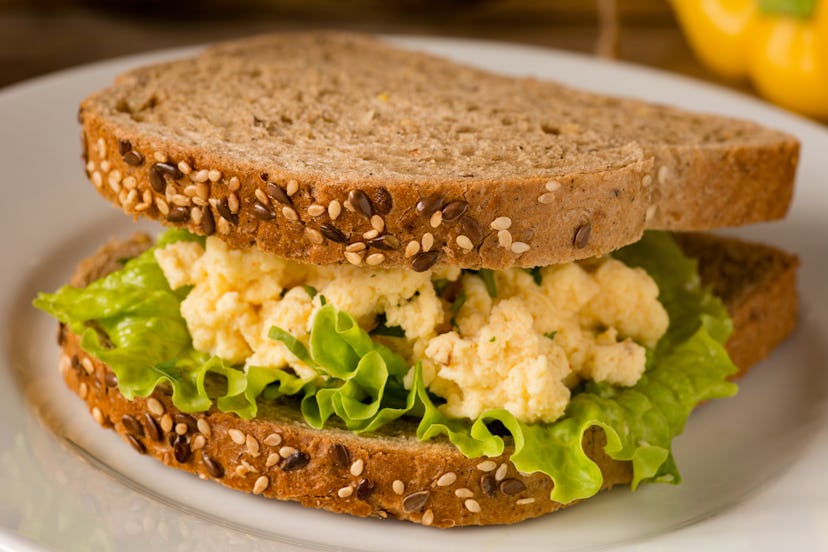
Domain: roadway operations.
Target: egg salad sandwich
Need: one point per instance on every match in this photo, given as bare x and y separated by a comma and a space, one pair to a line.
399, 287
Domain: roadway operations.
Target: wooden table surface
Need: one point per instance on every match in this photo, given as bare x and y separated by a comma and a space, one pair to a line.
46, 35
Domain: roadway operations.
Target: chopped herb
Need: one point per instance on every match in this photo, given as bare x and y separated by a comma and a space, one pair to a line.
456, 305
488, 279
552, 334
492, 340
440, 285
536, 274
310, 291
322, 300
383, 329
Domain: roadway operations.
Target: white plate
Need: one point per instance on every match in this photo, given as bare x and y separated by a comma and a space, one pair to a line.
753, 466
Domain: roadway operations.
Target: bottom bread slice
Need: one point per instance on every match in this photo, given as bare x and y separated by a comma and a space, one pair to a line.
392, 474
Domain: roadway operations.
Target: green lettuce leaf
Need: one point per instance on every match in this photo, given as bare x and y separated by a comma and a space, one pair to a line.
364, 378
148, 343
689, 365
361, 380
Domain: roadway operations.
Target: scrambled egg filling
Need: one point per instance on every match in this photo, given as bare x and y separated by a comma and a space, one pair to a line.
507, 343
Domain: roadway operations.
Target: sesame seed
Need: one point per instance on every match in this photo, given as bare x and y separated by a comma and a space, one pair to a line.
353, 258
292, 187
236, 435
428, 517
233, 203
374, 259
101, 147
87, 365
272, 459
447, 479
261, 196
464, 242
184, 167
160, 157
196, 215
345, 492
181, 429
163, 208
223, 225
520, 247
155, 406
524, 501
334, 209
198, 442
436, 219
166, 423
472, 505
83, 390
348, 205
501, 223
504, 239
98, 415
546, 198
114, 180
663, 174
290, 214
398, 487
315, 236
428, 241
213, 175
377, 223
130, 183
180, 199
357, 467
356, 246
316, 210
234, 184
248, 468
97, 179
284, 452
651, 210
412, 249
201, 176
463, 492
647, 180
487, 465
261, 484
274, 439
252, 445
552, 186
105, 166
90, 166
500, 474
370, 234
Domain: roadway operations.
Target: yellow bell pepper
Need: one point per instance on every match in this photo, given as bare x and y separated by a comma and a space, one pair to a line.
780, 45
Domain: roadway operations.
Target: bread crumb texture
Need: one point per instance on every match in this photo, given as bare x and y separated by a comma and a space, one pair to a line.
510, 339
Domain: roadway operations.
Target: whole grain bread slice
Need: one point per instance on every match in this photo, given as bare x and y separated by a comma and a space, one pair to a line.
330, 148
391, 474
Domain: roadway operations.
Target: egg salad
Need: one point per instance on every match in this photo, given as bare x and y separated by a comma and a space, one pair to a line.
514, 339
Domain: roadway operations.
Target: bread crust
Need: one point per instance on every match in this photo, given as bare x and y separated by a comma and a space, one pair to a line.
391, 474
639, 176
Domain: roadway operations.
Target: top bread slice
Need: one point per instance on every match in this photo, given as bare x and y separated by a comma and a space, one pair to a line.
329, 148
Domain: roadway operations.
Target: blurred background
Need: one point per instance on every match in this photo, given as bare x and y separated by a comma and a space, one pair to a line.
39, 36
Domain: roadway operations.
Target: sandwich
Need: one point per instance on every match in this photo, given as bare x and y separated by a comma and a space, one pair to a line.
399, 287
